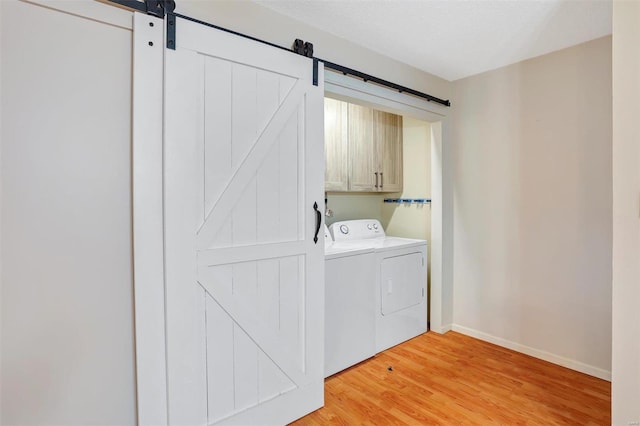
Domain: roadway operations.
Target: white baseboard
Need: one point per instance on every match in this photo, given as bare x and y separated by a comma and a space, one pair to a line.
442, 329
536, 353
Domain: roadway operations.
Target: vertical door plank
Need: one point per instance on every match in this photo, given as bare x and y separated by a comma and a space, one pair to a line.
217, 126
244, 122
285, 86
245, 289
245, 283
288, 171
218, 149
245, 370
268, 197
267, 97
244, 114
224, 236
269, 380
244, 224
268, 101
288, 202
219, 361
269, 293
290, 315
219, 276
303, 161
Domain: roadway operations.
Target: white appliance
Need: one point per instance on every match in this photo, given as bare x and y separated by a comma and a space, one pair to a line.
400, 282
349, 304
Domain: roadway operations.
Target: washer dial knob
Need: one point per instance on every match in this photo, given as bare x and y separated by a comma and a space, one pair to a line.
344, 229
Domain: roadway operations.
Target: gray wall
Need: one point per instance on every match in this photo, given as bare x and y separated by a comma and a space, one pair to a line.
67, 327
532, 222
626, 226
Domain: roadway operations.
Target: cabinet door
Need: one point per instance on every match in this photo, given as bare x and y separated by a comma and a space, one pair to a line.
362, 153
335, 145
388, 140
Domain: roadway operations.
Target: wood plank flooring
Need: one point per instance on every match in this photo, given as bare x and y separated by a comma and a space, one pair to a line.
453, 379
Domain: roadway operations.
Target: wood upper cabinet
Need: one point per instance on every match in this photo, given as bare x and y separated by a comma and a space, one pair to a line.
336, 148
363, 162
363, 148
388, 141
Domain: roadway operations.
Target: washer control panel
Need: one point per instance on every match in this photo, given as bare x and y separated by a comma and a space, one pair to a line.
359, 229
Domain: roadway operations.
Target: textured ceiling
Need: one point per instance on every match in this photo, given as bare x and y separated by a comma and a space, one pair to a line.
451, 38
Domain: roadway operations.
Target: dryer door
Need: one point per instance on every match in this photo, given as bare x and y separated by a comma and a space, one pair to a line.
401, 282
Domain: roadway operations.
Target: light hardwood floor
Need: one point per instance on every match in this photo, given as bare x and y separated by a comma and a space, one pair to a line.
453, 379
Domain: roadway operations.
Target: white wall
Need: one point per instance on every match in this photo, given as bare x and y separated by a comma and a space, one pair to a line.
532, 212
626, 224
67, 328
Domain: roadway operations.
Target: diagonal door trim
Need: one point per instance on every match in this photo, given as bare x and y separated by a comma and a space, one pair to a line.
241, 177
254, 328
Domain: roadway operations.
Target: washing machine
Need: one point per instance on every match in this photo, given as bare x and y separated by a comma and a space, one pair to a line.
401, 297
349, 304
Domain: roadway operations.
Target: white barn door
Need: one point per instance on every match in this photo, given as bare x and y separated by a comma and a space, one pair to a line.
244, 279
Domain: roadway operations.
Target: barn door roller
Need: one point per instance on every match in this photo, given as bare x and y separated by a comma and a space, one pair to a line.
160, 7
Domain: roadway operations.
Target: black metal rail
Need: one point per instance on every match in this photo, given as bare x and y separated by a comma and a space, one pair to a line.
217, 27
366, 78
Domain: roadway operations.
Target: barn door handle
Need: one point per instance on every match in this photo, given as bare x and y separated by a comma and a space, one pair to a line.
318, 220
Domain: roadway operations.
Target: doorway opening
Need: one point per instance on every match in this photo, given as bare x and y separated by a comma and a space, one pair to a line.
423, 164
